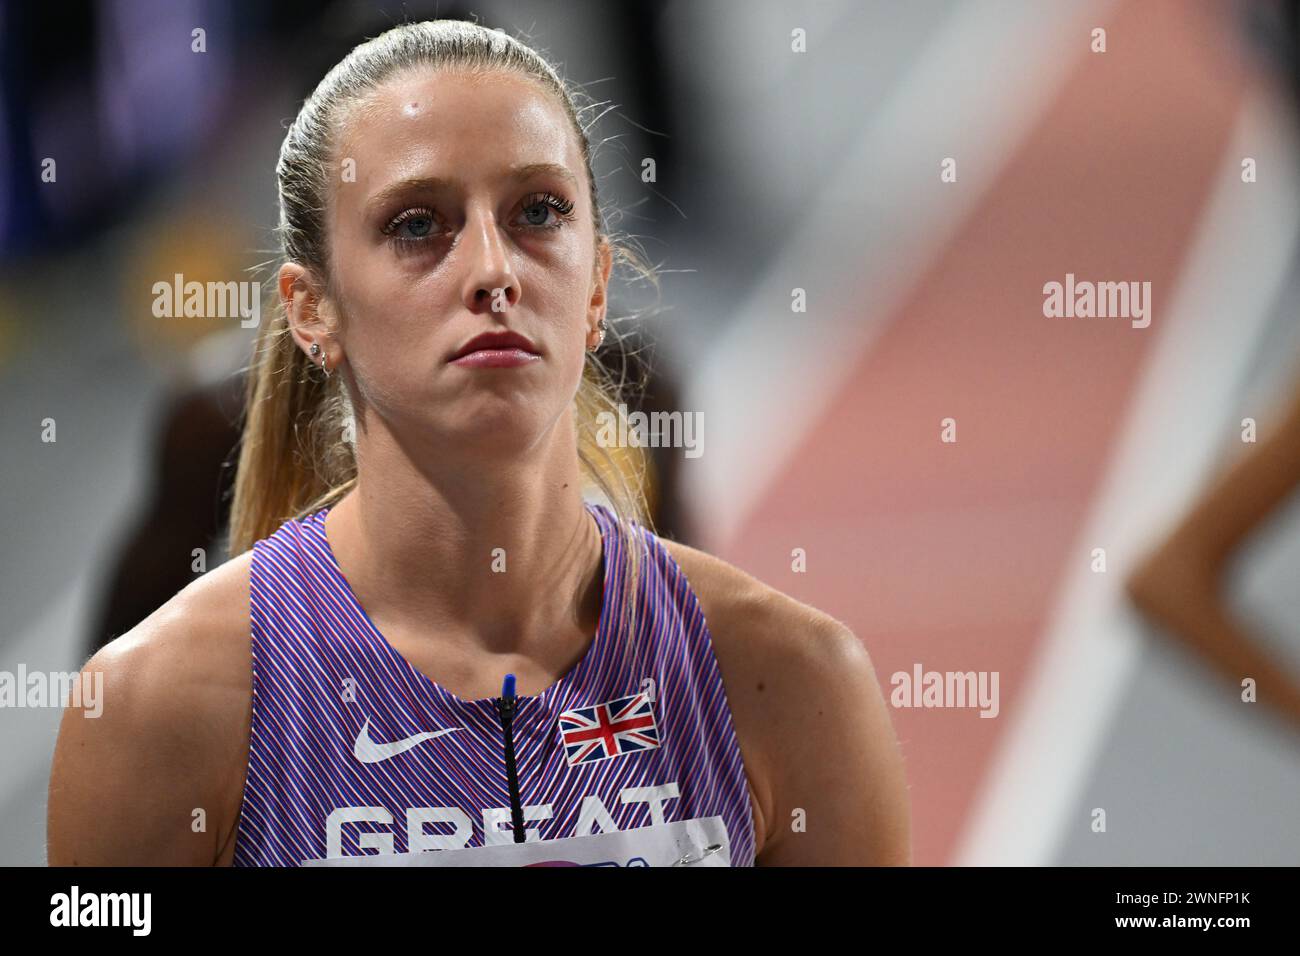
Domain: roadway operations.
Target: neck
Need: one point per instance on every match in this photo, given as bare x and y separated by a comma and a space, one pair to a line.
497, 556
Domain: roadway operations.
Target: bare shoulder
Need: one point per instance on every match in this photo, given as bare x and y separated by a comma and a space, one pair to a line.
199, 635
753, 625
732, 590
156, 775
815, 733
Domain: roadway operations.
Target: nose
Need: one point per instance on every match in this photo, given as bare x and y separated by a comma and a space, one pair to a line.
490, 283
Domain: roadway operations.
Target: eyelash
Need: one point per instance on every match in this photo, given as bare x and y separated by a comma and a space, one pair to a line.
563, 210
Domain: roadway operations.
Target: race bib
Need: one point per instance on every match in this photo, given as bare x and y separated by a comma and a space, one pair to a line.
699, 842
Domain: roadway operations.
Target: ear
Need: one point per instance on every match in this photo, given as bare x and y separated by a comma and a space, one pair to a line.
600, 283
310, 317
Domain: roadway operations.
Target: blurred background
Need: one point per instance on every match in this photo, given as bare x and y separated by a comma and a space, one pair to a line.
1169, 157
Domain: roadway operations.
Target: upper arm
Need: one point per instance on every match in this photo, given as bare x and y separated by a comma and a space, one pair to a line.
147, 781
1234, 504
819, 748
838, 790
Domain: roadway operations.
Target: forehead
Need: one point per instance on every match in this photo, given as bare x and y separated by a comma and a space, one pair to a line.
429, 122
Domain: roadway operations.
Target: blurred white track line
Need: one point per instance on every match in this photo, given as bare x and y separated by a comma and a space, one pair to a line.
965, 97
1235, 268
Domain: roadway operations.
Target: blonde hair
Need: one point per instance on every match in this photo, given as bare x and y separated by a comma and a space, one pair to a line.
293, 459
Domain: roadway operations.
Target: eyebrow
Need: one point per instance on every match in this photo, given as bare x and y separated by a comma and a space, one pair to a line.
438, 183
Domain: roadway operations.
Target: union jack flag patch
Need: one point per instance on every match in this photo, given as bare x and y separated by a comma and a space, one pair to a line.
621, 726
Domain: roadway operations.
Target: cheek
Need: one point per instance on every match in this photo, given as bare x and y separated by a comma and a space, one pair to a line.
393, 312
557, 294
389, 348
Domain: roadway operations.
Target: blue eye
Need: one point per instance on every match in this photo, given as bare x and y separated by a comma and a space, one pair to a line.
543, 204
418, 225
531, 213
411, 225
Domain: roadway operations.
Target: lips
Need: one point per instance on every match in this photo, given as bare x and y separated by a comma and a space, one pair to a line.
502, 340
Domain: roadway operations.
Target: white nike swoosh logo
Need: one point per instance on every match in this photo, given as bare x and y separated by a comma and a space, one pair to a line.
368, 751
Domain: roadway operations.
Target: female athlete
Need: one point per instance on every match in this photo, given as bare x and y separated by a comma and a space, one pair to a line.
428, 638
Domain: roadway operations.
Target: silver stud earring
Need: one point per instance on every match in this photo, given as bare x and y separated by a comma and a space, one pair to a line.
324, 362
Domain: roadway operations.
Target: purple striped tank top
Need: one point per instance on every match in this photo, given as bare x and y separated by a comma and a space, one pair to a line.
354, 751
